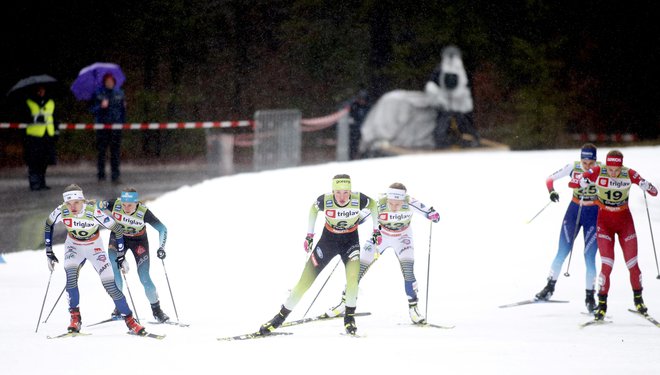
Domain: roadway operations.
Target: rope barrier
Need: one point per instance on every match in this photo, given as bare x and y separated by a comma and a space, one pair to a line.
311, 124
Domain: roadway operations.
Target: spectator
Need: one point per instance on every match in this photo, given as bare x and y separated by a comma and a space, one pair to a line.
39, 142
109, 107
358, 112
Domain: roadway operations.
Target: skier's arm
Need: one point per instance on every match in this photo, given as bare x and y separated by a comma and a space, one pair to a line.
313, 213
152, 220
642, 183
585, 178
563, 172
365, 213
372, 206
110, 223
53, 218
103, 204
422, 209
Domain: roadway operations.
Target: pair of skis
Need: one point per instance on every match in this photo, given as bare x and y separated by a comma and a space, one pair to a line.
531, 301
76, 334
588, 323
646, 316
165, 322
255, 335
258, 335
148, 334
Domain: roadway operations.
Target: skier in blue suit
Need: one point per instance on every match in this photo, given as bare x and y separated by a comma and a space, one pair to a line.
582, 212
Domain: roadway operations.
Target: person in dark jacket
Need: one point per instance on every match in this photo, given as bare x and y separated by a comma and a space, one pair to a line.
39, 141
358, 112
109, 107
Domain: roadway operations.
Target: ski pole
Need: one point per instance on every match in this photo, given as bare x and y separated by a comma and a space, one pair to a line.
44, 302
170, 288
322, 286
130, 296
428, 274
575, 232
56, 301
651, 230
63, 289
538, 213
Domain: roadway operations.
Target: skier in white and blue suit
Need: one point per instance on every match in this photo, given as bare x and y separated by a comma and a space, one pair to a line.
582, 212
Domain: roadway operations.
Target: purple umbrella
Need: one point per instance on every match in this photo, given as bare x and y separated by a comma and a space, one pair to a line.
90, 78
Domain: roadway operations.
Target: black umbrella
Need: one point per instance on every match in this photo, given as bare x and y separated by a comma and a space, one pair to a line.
31, 82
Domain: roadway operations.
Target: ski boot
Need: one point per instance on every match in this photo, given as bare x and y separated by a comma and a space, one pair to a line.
589, 301
274, 323
337, 310
134, 326
115, 315
415, 315
547, 291
159, 315
602, 307
76, 321
349, 321
639, 302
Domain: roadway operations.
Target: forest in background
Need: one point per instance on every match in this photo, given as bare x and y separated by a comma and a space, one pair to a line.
539, 70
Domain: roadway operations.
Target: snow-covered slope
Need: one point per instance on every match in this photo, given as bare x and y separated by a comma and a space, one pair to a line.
235, 249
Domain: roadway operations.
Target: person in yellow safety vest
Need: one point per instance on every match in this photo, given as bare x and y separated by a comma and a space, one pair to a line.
39, 141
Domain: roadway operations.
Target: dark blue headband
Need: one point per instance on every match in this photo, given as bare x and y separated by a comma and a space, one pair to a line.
588, 153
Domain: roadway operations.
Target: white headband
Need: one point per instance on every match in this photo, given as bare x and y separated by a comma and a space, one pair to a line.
73, 195
397, 194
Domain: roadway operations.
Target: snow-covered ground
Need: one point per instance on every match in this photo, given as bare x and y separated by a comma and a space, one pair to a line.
235, 249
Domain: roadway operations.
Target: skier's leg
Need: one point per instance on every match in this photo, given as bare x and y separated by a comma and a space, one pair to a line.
309, 274
628, 242
141, 253
605, 240
73, 257
589, 217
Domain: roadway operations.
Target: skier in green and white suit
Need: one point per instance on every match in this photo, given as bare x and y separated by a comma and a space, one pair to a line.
395, 212
340, 237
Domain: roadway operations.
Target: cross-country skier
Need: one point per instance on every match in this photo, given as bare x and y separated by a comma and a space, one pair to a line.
133, 216
83, 220
613, 184
582, 212
341, 210
395, 212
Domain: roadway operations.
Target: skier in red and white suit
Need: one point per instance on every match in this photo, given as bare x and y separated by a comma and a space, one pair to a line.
613, 183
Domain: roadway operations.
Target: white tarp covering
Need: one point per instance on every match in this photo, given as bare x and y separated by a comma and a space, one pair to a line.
401, 118
408, 118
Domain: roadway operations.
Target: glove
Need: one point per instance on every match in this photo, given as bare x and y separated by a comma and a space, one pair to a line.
433, 215
161, 253
101, 205
121, 262
51, 258
584, 182
645, 185
376, 237
309, 242
554, 196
